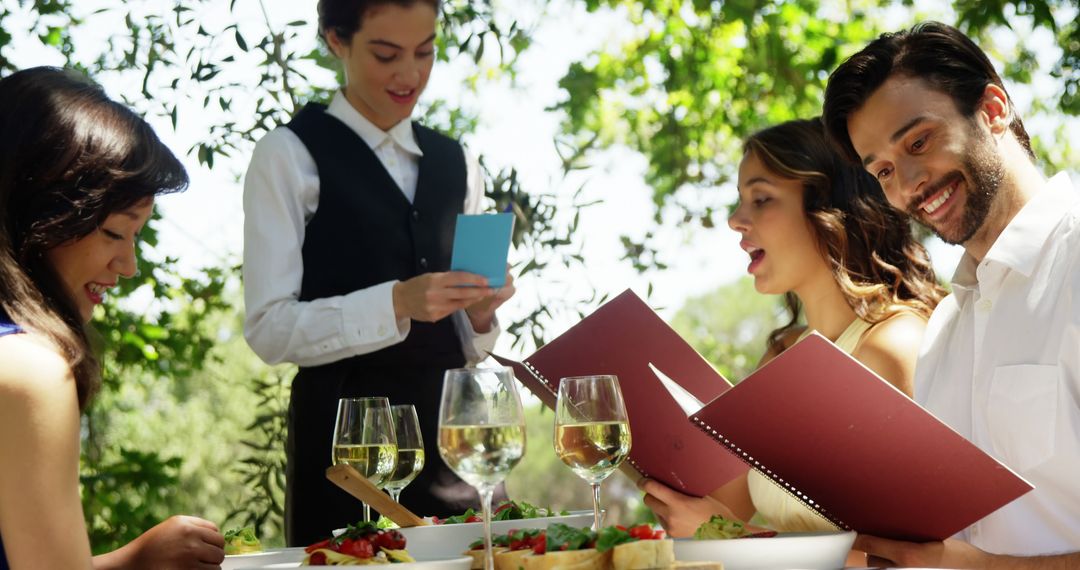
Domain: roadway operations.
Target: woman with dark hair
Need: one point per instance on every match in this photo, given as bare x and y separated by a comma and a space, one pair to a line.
818, 231
78, 176
349, 220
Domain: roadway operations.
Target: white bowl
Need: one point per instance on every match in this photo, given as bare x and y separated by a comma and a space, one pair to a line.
804, 550
266, 557
443, 540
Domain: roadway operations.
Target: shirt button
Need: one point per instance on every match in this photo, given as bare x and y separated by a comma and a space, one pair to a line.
416, 215
985, 304
382, 330
423, 263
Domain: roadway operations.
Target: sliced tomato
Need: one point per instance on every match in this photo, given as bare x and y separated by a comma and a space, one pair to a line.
360, 548
317, 559
504, 506
641, 532
389, 540
474, 518
318, 545
658, 534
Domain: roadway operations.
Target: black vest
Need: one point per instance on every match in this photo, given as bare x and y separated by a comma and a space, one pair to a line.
366, 232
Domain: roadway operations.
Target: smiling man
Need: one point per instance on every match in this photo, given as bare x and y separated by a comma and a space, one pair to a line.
925, 112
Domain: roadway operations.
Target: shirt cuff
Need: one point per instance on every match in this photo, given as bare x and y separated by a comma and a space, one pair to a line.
368, 317
476, 345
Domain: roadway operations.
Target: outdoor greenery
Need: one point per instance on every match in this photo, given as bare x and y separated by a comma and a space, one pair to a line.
189, 420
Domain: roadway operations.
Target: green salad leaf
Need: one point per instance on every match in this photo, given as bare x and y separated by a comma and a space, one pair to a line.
720, 528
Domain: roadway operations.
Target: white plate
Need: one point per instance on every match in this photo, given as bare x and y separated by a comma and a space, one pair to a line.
268, 556
459, 563
806, 550
443, 540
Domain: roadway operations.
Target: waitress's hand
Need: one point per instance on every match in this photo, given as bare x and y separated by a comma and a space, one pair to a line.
482, 313
681, 514
432, 296
178, 543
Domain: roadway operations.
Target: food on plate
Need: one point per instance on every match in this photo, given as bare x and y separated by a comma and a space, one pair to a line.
562, 547
242, 541
505, 511
509, 549
719, 528
385, 523
360, 544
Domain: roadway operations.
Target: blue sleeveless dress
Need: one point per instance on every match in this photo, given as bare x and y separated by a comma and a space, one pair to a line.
6, 327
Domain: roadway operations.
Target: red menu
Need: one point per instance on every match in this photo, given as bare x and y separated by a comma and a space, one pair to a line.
855, 449
624, 337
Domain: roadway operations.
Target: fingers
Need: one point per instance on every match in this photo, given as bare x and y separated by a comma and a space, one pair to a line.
661, 491
212, 537
461, 279
658, 507
876, 548
200, 522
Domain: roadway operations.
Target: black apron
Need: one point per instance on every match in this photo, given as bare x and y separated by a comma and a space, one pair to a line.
366, 232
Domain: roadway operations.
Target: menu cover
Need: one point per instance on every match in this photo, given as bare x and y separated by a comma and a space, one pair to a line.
481, 244
626, 338
855, 449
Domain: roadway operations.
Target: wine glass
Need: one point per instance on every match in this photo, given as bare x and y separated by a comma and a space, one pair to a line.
481, 432
592, 432
410, 449
364, 439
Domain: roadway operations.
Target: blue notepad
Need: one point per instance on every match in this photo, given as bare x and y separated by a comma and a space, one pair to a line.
481, 244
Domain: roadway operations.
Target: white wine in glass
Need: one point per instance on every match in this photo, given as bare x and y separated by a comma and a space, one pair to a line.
364, 439
481, 432
410, 449
592, 432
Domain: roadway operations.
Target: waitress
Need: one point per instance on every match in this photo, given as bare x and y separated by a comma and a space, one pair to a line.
349, 220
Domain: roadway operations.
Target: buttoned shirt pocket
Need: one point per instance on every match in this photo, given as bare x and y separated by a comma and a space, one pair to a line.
1022, 414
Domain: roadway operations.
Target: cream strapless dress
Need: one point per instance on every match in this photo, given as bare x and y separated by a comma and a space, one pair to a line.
781, 510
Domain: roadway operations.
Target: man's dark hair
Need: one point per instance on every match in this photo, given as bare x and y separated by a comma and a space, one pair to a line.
936, 53
345, 17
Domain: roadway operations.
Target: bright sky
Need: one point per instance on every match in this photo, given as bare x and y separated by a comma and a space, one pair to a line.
204, 226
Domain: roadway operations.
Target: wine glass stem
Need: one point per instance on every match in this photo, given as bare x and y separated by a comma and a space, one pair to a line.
596, 506
367, 513
486, 494
394, 494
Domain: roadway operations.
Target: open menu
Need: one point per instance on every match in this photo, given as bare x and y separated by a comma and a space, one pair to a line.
626, 338
821, 425
855, 449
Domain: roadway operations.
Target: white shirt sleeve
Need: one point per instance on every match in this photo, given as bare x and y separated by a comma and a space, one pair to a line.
281, 193
475, 345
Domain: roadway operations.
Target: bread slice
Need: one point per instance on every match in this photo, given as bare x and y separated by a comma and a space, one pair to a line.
586, 559
512, 559
643, 554
478, 556
681, 565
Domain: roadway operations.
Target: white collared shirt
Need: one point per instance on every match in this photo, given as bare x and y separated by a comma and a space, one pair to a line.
1000, 364
281, 194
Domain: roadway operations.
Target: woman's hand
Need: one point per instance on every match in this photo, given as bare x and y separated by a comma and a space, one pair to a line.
180, 542
948, 554
482, 313
681, 514
431, 297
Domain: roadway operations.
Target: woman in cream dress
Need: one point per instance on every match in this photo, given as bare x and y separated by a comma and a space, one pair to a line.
846, 263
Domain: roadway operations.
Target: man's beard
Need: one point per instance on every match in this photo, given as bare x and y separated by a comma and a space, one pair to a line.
983, 171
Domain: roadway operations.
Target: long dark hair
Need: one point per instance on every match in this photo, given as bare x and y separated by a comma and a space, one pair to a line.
69, 157
880, 267
936, 53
